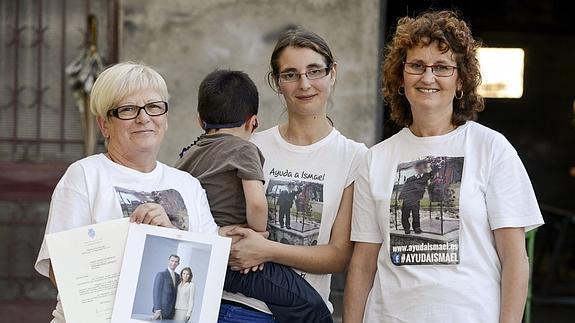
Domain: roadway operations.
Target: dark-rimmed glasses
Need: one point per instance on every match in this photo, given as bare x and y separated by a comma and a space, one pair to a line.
440, 70
312, 74
129, 112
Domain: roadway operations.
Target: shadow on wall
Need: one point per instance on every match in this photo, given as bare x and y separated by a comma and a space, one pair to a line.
155, 258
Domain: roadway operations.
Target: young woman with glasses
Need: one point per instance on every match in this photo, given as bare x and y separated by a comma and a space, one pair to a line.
308, 157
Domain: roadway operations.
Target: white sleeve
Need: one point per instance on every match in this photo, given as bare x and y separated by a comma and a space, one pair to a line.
358, 158
206, 220
364, 224
510, 198
191, 300
69, 208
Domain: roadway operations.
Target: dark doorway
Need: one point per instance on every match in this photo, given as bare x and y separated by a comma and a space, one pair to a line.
540, 124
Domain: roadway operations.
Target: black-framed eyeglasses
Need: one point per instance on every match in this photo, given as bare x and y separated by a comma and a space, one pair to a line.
440, 70
312, 74
129, 112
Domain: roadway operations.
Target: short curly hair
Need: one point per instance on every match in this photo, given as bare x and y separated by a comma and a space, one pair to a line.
451, 33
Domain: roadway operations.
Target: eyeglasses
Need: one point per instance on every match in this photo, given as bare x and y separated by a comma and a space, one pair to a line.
129, 112
313, 74
437, 70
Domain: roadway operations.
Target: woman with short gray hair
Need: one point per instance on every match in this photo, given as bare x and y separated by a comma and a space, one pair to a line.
130, 102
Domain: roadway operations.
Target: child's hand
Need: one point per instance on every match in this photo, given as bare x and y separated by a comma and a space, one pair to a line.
223, 231
259, 267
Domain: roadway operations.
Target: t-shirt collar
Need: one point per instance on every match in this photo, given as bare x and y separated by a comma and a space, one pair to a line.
406, 132
316, 145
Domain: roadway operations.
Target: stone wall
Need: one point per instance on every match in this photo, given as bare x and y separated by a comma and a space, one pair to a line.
186, 39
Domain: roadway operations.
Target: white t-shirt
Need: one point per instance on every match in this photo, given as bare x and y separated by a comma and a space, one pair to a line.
463, 185
307, 182
95, 189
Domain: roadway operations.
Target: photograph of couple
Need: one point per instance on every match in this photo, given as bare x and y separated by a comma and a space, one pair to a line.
173, 292
172, 280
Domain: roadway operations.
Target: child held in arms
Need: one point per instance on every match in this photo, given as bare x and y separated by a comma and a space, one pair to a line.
230, 168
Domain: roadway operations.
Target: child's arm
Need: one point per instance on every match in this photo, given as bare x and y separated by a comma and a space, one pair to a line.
256, 205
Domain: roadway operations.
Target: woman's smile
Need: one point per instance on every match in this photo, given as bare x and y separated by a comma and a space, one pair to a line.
427, 90
144, 131
306, 97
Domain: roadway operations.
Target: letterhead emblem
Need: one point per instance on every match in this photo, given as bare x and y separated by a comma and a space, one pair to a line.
91, 233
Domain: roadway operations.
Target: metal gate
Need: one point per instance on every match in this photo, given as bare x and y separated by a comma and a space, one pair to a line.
40, 132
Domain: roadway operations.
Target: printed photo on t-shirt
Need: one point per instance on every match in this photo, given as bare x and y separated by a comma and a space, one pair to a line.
294, 211
171, 200
424, 212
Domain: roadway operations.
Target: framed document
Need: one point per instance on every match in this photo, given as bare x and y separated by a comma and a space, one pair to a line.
171, 276
86, 263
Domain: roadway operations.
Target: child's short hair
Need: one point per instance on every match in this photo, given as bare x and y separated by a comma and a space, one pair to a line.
226, 99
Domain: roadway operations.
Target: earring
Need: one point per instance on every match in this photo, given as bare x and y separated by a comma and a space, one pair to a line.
399, 90
460, 95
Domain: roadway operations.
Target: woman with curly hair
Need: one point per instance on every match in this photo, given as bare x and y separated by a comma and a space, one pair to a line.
441, 208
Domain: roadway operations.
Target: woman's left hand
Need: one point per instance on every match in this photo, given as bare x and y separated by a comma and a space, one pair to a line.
152, 214
250, 251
